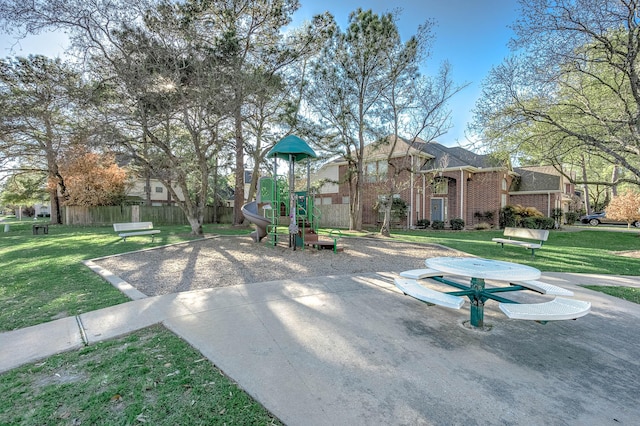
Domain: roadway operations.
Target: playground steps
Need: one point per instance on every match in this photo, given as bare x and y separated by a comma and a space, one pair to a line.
311, 239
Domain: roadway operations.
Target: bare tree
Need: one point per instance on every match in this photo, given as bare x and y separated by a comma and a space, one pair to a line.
573, 87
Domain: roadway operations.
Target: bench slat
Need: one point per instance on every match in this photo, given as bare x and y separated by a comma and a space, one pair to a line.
558, 309
531, 234
132, 226
544, 288
418, 274
135, 228
414, 289
517, 243
130, 234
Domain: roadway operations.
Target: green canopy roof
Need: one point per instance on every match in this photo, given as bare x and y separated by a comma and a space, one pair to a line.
292, 145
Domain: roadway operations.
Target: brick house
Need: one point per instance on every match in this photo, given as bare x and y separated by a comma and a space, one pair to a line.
446, 183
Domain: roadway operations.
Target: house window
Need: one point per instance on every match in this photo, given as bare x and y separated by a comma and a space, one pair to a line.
370, 172
375, 171
382, 170
159, 189
440, 186
503, 200
345, 200
504, 184
326, 201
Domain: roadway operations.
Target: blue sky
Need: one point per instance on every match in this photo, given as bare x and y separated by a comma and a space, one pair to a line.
471, 34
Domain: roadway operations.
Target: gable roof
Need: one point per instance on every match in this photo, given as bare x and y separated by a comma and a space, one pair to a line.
436, 155
454, 157
544, 178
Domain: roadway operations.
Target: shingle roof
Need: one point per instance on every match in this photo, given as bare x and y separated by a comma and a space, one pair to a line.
445, 157
533, 179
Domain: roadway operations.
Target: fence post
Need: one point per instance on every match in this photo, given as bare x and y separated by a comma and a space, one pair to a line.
135, 213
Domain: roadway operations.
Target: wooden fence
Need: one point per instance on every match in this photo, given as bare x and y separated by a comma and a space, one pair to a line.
334, 215
159, 215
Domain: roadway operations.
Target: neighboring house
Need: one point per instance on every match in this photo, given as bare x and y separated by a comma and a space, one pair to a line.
447, 183
544, 188
159, 194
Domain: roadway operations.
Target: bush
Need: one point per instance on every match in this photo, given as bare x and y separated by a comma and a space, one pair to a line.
457, 224
485, 216
557, 213
437, 224
423, 223
571, 217
538, 222
482, 226
508, 217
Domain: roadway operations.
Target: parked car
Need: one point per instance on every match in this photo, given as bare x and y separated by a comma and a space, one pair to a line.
596, 219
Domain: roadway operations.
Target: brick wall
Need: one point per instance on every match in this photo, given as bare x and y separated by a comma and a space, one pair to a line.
482, 193
543, 202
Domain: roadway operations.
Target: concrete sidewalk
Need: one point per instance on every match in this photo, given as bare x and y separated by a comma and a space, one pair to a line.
354, 350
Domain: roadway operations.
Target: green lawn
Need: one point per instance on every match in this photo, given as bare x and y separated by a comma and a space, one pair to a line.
43, 277
584, 251
148, 377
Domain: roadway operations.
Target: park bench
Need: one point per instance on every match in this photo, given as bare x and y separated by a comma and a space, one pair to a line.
539, 235
412, 288
132, 229
544, 288
418, 274
555, 310
36, 229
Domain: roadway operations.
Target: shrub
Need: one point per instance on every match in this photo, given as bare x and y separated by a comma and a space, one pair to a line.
571, 217
423, 223
437, 224
557, 213
538, 222
508, 217
487, 216
482, 226
457, 224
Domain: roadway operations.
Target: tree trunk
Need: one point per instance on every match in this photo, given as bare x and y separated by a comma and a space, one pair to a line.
238, 198
385, 229
56, 210
587, 204
196, 224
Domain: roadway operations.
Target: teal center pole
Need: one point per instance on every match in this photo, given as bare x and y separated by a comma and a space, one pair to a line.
477, 304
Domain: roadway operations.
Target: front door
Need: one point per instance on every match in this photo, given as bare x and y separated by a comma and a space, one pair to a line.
436, 209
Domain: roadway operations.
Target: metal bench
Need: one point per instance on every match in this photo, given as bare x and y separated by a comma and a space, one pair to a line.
418, 274
544, 288
36, 229
557, 309
414, 289
539, 235
135, 228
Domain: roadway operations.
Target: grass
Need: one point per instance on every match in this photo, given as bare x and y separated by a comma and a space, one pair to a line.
586, 251
150, 376
43, 277
630, 294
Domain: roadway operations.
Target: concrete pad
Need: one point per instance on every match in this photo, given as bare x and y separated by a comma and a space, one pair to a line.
30, 344
122, 319
370, 355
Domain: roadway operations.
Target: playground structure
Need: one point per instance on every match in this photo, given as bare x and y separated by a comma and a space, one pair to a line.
280, 203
